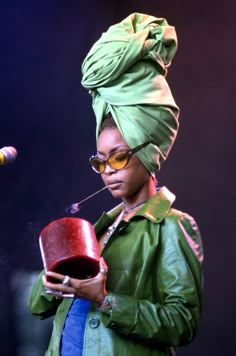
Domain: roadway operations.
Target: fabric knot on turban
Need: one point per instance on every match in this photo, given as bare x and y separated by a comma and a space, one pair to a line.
125, 72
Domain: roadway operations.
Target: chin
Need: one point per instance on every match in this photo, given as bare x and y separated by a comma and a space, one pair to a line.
116, 193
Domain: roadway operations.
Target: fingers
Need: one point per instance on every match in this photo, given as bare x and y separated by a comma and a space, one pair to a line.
55, 275
63, 289
61, 286
103, 266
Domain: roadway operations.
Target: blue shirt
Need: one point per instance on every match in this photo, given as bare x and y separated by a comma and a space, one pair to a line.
73, 331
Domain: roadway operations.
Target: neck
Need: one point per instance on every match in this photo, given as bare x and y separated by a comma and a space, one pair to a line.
127, 210
147, 191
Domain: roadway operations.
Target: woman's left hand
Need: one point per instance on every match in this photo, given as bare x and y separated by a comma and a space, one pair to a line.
93, 289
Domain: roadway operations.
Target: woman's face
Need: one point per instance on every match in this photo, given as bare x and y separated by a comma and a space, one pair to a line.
128, 181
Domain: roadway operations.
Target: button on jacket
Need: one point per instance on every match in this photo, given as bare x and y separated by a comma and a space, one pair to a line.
154, 285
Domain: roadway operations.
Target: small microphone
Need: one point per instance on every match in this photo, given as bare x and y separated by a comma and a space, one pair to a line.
7, 155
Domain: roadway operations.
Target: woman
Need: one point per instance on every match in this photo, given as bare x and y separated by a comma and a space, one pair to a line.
150, 298
146, 299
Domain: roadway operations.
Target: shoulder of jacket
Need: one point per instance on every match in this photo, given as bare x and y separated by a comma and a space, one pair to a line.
175, 215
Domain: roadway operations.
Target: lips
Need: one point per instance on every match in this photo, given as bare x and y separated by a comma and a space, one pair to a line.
113, 184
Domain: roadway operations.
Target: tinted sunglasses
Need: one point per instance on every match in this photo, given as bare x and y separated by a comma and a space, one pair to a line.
116, 160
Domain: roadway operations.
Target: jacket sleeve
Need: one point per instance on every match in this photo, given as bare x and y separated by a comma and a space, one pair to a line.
40, 303
174, 318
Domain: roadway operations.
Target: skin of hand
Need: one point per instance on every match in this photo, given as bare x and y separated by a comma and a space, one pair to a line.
92, 289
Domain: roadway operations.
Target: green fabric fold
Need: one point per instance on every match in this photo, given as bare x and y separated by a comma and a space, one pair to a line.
125, 72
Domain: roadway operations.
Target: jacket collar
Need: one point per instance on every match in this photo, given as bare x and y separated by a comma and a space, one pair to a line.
158, 206
155, 209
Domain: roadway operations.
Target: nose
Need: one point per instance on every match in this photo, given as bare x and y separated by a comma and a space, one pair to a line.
108, 169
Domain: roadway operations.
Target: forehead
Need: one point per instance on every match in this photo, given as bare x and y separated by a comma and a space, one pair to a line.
109, 139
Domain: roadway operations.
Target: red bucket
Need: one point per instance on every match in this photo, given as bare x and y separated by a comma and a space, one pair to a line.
69, 246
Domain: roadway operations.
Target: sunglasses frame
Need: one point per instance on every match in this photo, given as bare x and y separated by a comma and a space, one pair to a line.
106, 162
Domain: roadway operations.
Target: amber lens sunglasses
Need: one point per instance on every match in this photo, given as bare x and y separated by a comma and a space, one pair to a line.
116, 160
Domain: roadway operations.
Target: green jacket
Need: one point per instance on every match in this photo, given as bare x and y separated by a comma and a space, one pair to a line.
154, 285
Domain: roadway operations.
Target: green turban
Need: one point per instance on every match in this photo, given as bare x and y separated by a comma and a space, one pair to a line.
125, 72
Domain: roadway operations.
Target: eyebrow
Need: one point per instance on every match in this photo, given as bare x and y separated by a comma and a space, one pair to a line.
115, 149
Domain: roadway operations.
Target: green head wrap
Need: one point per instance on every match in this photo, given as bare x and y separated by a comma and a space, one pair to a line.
125, 72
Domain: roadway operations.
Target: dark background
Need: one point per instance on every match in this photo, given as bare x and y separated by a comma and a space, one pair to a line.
47, 116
